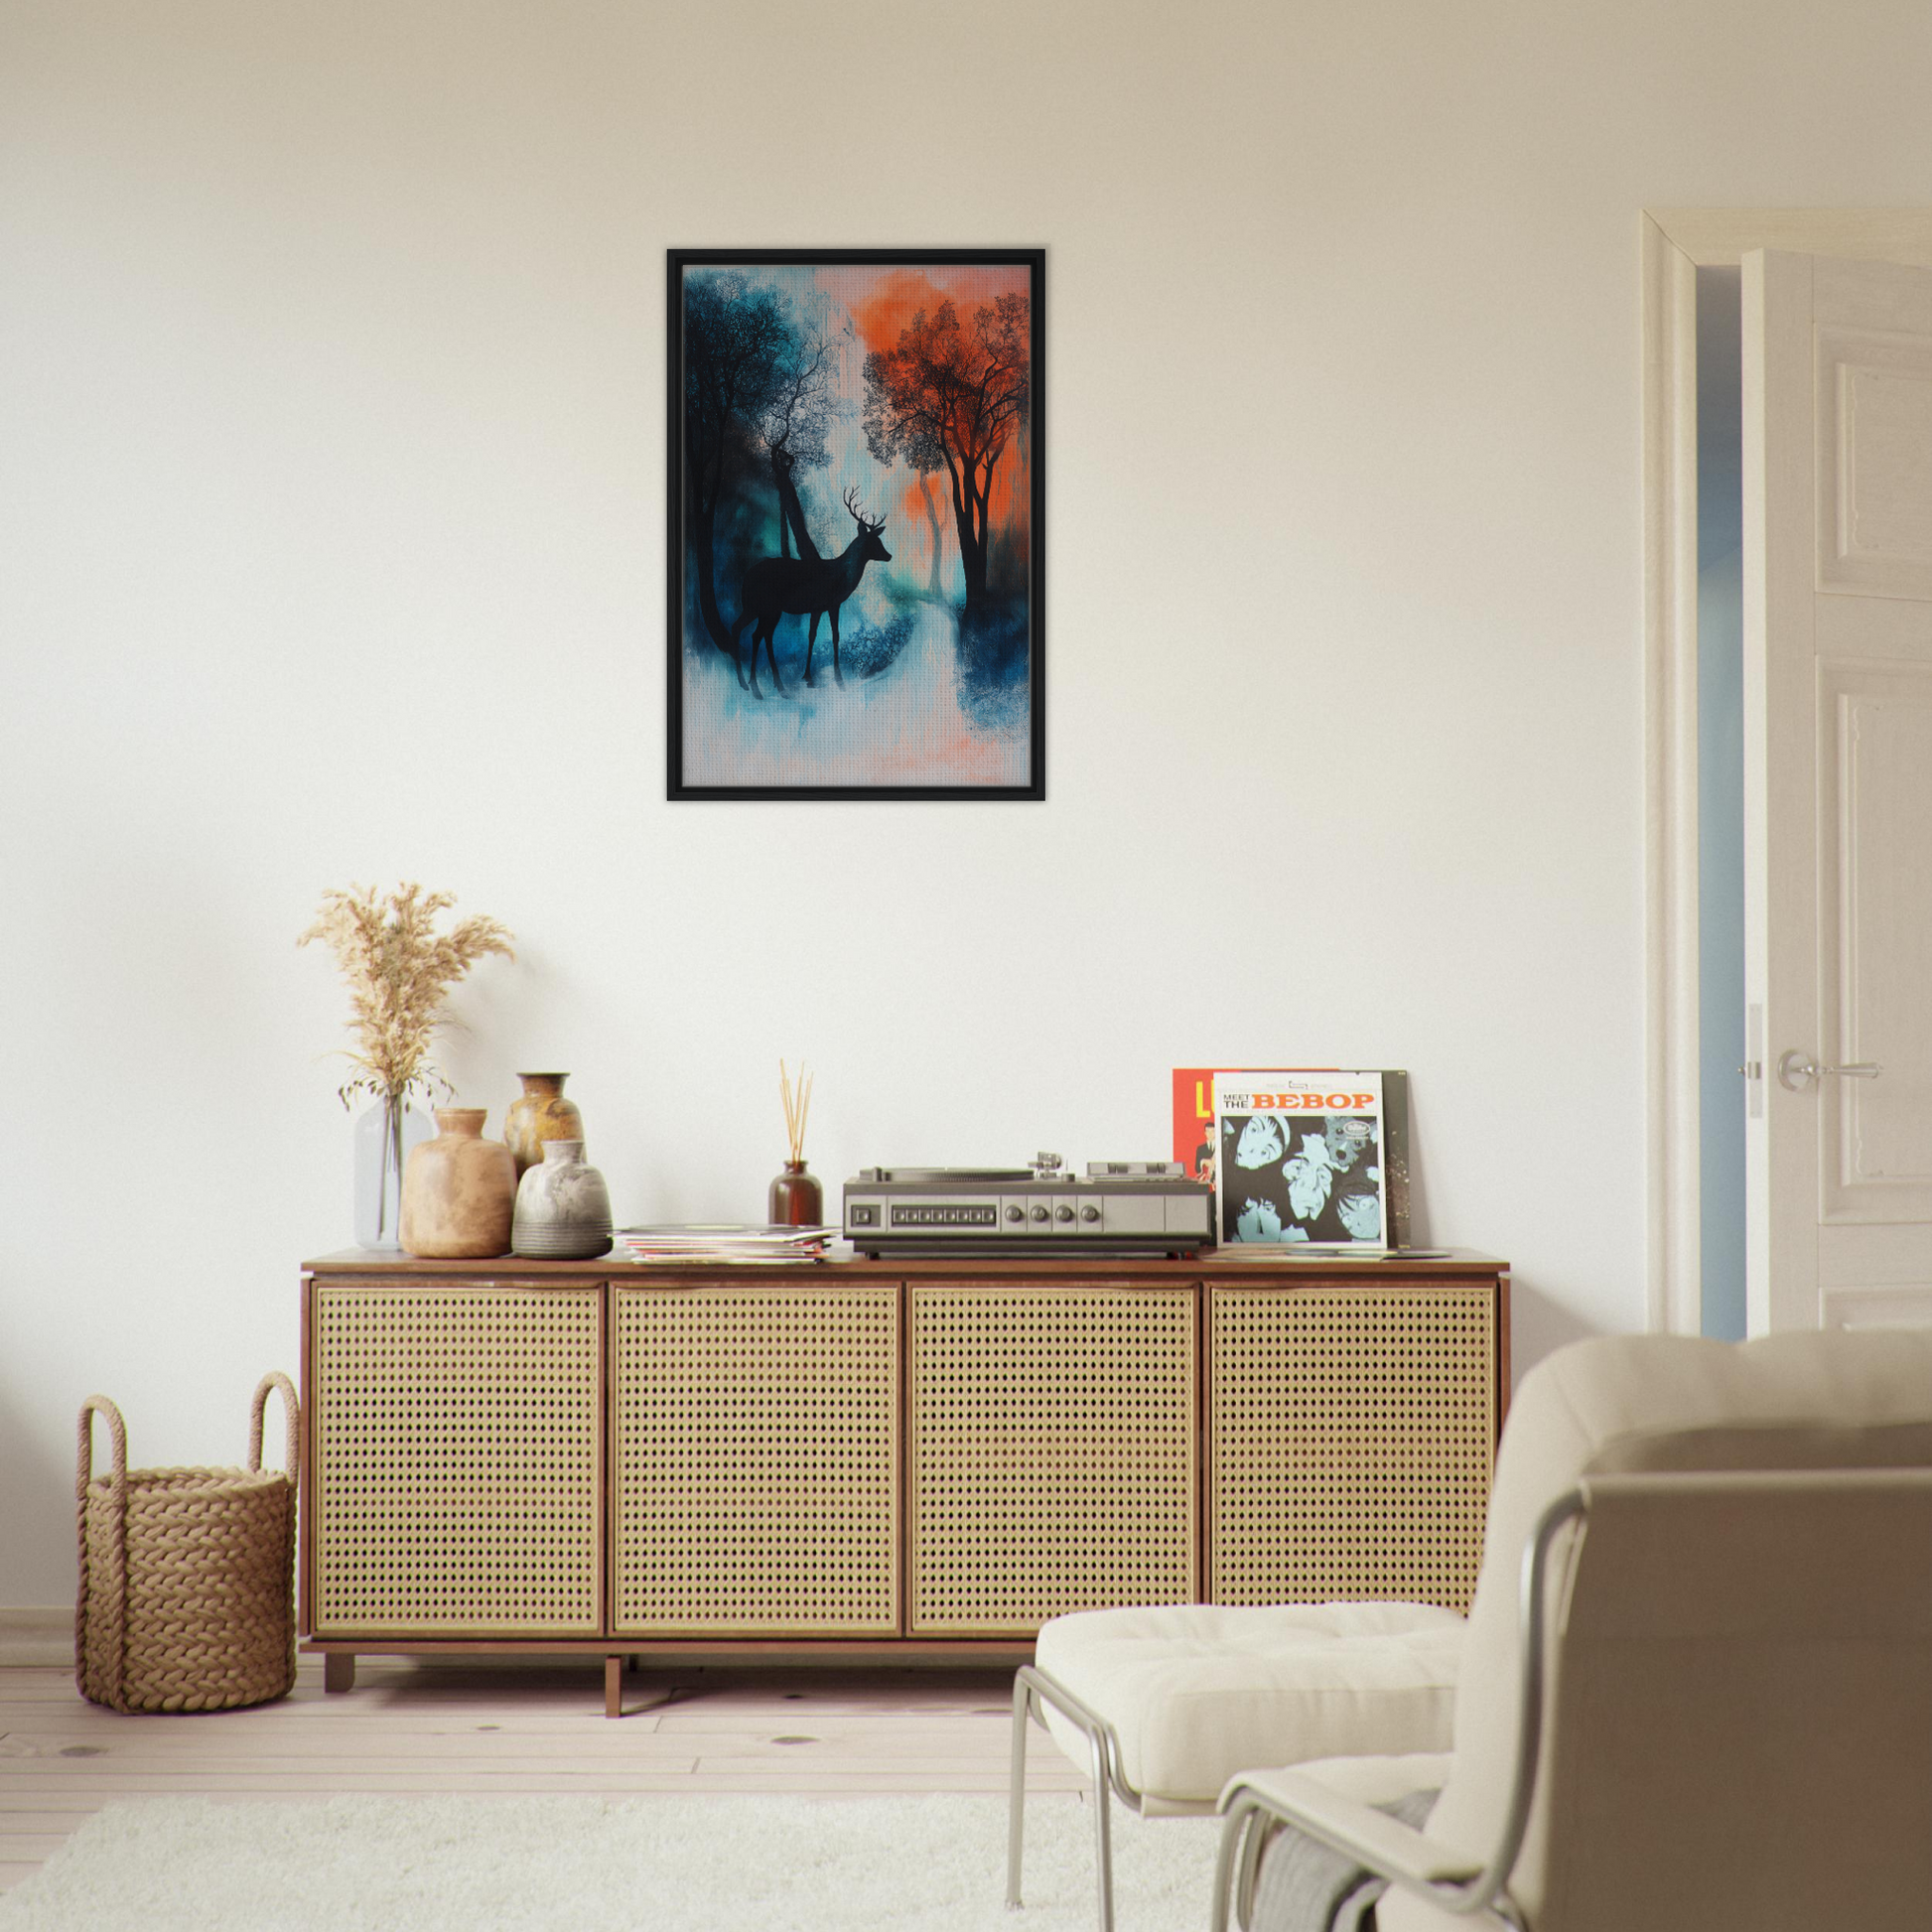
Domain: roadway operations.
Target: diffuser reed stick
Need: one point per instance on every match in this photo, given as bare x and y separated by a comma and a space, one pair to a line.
795, 1199
797, 1104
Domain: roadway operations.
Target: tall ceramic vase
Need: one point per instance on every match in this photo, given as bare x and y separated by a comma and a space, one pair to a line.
385, 1136
459, 1190
540, 1113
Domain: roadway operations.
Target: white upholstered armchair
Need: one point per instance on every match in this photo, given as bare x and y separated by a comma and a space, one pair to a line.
1696, 1691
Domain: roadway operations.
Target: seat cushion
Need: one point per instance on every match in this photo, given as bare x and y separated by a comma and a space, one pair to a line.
1197, 1691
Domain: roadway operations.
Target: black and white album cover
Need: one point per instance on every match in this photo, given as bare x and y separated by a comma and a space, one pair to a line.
1302, 1159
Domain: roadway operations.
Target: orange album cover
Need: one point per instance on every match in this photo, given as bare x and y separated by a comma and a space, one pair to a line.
1193, 1111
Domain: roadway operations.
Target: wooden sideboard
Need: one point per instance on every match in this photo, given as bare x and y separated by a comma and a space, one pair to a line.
878, 1460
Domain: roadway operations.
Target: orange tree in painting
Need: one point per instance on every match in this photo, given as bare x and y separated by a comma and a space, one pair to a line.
951, 399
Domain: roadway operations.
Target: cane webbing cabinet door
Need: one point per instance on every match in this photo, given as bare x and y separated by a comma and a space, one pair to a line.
457, 1459
1351, 1437
1052, 1436
755, 1456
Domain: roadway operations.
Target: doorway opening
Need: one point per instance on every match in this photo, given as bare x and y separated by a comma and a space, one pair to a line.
1693, 1048
1720, 799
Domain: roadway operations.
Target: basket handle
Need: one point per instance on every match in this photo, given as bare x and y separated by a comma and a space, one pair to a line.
291, 1410
117, 1433
113, 1642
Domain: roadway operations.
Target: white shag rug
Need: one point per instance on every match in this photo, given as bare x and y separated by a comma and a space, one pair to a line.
756, 1864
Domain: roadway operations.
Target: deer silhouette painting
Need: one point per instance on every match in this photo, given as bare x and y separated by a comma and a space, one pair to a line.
809, 586
912, 375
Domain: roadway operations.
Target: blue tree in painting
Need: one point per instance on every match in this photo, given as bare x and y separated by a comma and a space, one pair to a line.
754, 379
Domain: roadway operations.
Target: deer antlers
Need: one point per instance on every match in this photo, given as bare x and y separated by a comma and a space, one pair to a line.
858, 517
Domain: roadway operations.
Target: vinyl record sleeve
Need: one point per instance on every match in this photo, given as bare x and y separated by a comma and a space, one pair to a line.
1196, 1143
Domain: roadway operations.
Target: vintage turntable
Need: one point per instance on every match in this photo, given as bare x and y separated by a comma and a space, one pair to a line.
1123, 1207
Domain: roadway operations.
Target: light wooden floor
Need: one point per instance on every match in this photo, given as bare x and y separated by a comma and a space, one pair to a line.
510, 1728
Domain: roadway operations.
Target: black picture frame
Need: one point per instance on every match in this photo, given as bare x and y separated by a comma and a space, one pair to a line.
728, 585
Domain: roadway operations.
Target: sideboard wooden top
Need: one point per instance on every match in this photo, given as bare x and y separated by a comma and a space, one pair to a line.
1219, 1264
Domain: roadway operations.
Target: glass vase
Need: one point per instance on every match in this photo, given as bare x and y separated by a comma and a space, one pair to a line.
384, 1135
796, 1199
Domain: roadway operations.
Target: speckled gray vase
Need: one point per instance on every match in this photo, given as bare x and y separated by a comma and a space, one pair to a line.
563, 1209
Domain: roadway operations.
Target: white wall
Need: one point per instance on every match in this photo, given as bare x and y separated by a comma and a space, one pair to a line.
330, 443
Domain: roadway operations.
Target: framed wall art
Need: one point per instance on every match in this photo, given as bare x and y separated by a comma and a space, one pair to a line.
856, 550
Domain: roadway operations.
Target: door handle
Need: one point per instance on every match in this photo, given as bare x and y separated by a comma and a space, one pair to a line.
1797, 1070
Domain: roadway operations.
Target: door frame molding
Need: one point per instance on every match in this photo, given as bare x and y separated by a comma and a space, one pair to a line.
1675, 243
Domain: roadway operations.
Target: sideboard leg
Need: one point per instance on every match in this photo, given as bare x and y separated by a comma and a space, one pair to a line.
339, 1669
614, 1686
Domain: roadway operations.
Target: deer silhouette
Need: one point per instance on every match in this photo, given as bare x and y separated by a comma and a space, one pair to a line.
806, 586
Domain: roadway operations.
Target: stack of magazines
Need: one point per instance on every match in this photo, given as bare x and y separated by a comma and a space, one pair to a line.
733, 1241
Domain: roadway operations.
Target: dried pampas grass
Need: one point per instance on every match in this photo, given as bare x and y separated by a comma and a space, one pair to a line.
398, 969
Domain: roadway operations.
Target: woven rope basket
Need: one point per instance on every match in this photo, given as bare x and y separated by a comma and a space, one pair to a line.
187, 1575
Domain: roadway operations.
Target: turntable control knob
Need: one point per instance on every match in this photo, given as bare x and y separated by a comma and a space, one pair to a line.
1063, 1212
1089, 1212
1039, 1215
1015, 1212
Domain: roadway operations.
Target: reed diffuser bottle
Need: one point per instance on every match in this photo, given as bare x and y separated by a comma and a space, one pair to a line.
796, 1199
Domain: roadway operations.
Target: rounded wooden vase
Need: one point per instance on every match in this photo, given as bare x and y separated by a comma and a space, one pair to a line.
459, 1190
540, 1113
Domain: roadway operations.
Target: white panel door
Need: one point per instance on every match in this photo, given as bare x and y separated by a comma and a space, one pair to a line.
1838, 776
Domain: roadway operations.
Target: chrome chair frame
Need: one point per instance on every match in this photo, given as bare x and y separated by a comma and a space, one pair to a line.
1031, 1689
1253, 1815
